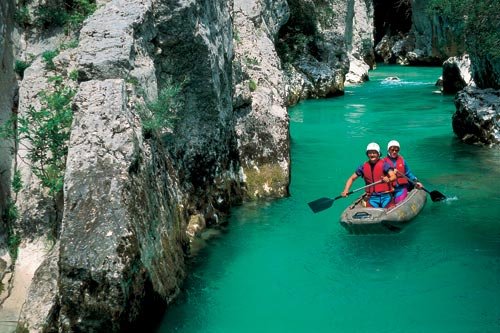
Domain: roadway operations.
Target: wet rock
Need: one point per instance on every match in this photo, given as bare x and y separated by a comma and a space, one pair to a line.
477, 118
457, 74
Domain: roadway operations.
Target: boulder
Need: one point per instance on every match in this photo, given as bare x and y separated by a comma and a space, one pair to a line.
477, 118
457, 74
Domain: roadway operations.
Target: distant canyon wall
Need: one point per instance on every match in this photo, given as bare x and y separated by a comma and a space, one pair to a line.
322, 43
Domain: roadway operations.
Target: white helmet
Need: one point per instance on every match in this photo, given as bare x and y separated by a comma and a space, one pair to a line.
373, 146
392, 143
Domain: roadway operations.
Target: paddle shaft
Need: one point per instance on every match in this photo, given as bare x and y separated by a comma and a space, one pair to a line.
411, 181
359, 189
408, 179
435, 195
324, 203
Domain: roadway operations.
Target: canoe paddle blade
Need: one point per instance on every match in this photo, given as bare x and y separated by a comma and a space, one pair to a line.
437, 196
320, 204
324, 203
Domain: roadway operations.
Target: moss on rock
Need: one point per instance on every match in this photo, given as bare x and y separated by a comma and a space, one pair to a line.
266, 181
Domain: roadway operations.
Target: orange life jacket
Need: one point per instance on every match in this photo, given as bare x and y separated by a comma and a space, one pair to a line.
372, 177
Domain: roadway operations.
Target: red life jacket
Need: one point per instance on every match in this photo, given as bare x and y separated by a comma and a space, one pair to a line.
400, 166
372, 177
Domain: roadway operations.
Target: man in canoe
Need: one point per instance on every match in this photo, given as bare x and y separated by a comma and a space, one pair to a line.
405, 178
377, 171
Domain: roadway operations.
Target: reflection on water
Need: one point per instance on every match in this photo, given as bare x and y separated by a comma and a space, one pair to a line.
354, 113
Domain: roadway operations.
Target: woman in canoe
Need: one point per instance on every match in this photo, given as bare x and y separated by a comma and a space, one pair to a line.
405, 178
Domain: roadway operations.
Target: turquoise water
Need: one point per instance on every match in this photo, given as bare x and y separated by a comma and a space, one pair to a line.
280, 268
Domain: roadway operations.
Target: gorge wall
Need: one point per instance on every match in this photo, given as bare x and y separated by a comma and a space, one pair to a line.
134, 199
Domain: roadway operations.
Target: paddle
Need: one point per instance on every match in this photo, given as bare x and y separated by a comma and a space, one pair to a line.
324, 203
435, 195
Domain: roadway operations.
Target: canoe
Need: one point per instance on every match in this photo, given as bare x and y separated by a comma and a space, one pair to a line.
366, 220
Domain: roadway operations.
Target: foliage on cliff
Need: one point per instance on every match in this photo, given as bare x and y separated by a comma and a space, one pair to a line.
44, 134
60, 13
160, 114
479, 19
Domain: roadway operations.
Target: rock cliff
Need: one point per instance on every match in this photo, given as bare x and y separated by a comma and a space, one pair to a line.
119, 231
260, 114
322, 42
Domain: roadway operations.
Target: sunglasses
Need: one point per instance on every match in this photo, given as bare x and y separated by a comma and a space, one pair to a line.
394, 149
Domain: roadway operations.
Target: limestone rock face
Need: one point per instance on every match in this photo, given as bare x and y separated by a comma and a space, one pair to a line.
313, 47
325, 42
359, 40
429, 41
110, 45
435, 40
261, 118
477, 119
457, 74
194, 48
39, 312
128, 198
486, 68
120, 226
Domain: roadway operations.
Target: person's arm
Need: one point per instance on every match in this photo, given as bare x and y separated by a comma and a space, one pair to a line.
390, 174
348, 184
412, 177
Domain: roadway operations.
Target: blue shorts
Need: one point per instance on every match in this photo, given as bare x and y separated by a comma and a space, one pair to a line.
379, 200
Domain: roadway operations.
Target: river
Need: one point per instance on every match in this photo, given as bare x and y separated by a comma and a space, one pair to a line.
280, 268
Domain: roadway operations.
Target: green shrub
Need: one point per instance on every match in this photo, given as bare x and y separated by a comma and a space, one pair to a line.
251, 61
69, 14
160, 113
74, 75
47, 133
8, 129
22, 16
20, 66
252, 85
236, 36
70, 45
17, 182
80, 10
48, 59
44, 133
13, 245
47, 15
9, 217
